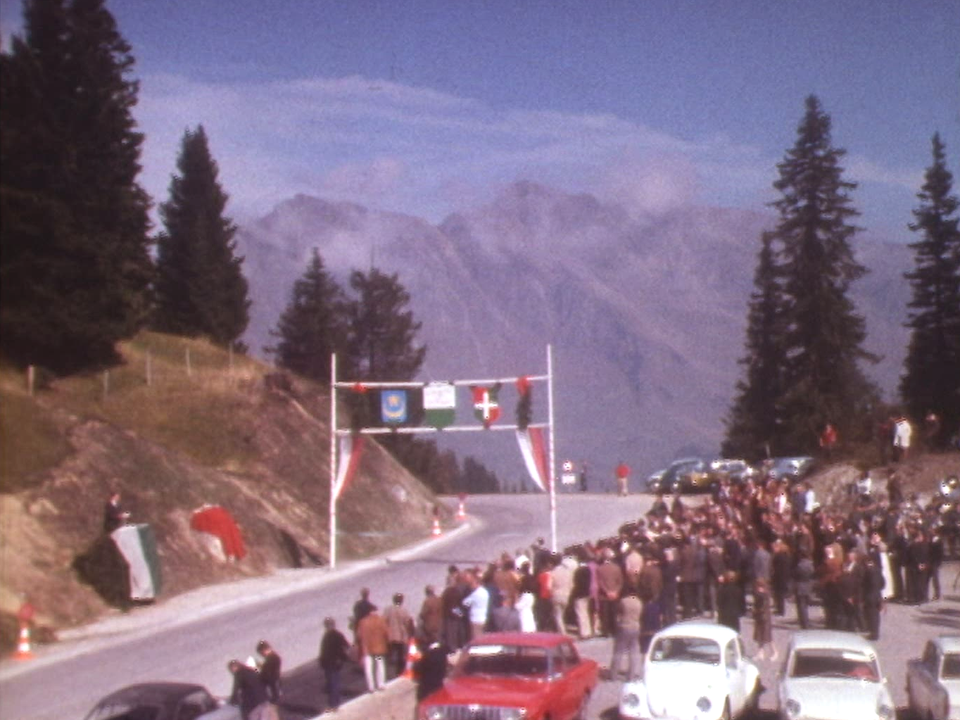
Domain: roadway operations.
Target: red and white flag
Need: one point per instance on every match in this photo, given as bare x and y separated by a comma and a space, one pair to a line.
533, 447
349, 458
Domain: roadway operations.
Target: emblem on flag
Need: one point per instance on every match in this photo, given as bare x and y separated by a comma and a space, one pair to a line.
393, 406
486, 407
439, 404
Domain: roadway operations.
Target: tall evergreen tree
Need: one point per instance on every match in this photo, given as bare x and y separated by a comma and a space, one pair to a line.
383, 333
200, 287
313, 325
753, 422
75, 265
931, 382
823, 334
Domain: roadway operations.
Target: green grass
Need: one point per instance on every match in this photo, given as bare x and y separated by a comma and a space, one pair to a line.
183, 393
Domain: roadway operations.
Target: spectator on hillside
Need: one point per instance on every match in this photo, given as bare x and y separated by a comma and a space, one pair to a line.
114, 515
902, 436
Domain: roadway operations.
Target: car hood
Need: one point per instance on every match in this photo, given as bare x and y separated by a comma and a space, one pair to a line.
835, 697
500, 691
668, 686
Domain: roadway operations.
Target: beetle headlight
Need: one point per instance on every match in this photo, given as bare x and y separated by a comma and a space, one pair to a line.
630, 699
704, 704
792, 707
885, 712
434, 713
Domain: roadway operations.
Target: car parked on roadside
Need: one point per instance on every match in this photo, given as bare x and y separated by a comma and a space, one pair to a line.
739, 471
832, 675
694, 670
515, 676
684, 475
162, 701
933, 680
792, 469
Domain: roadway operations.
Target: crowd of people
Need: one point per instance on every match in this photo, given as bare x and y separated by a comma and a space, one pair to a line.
754, 548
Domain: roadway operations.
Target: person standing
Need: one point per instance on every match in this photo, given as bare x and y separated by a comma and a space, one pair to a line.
430, 670
803, 578
763, 619
431, 615
333, 656
902, 436
373, 640
873, 584
562, 588
270, 670
626, 637
114, 516
361, 608
729, 600
610, 584
399, 633
249, 693
622, 474
477, 604
581, 599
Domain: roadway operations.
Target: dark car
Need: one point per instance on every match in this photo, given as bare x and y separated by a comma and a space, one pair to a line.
515, 676
690, 475
162, 701
791, 469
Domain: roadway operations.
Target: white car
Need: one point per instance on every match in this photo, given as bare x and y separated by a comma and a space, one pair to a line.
832, 675
694, 670
933, 680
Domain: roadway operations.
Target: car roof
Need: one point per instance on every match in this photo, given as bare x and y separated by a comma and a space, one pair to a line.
948, 643
525, 639
153, 693
699, 628
831, 639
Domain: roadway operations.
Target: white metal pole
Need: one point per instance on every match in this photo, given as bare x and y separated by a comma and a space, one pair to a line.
553, 452
333, 460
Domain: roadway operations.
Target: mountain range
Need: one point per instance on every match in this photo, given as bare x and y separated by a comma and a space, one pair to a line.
645, 315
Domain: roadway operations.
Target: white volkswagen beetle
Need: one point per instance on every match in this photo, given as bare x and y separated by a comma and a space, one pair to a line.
832, 675
694, 670
933, 680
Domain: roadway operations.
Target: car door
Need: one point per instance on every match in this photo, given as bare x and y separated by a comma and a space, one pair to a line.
927, 677
570, 682
735, 675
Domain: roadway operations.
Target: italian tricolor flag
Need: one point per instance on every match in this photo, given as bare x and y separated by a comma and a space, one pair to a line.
533, 447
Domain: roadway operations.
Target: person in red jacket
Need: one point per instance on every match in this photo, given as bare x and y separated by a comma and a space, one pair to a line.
623, 477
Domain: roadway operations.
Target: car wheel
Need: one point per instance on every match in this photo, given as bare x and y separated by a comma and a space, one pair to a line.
582, 710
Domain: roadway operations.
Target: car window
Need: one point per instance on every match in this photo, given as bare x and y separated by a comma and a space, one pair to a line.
565, 658
951, 667
505, 660
686, 649
829, 662
730, 654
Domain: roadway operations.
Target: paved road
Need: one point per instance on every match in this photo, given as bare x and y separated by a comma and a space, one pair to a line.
191, 637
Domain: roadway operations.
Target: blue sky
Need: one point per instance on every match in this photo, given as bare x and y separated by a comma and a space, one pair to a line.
430, 106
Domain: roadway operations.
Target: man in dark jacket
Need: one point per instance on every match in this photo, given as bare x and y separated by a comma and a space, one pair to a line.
804, 575
873, 584
270, 670
333, 656
249, 693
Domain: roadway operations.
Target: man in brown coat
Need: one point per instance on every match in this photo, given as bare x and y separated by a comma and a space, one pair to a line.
373, 639
431, 616
610, 584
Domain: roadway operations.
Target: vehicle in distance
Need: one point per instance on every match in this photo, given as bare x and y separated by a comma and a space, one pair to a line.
788, 468
933, 680
694, 670
738, 471
162, 701
686, 475
832, 675
515, 676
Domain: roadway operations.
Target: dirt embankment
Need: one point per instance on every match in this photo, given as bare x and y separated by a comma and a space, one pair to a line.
278, 492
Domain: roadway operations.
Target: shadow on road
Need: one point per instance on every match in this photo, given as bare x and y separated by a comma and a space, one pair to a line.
303, 690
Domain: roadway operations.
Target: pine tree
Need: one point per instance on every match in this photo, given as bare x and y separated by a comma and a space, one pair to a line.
931, 382
200, 287
383, 332
753, 422
823, 334
313, 325
75, 265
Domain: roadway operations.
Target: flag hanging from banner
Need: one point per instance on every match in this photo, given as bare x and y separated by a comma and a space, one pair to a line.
533, 447
350, 449
439, 404
486, 407
393, 406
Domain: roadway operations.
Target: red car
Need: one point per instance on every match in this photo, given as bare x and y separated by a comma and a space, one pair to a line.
515, 676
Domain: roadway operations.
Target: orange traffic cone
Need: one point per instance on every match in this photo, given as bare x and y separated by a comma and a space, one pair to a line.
436, 531
461, 512
413, 655
23, 645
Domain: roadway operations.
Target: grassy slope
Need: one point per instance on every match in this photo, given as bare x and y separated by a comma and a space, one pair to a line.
219, 435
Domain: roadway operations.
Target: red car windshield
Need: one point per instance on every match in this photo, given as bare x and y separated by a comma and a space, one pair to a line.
505, 660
